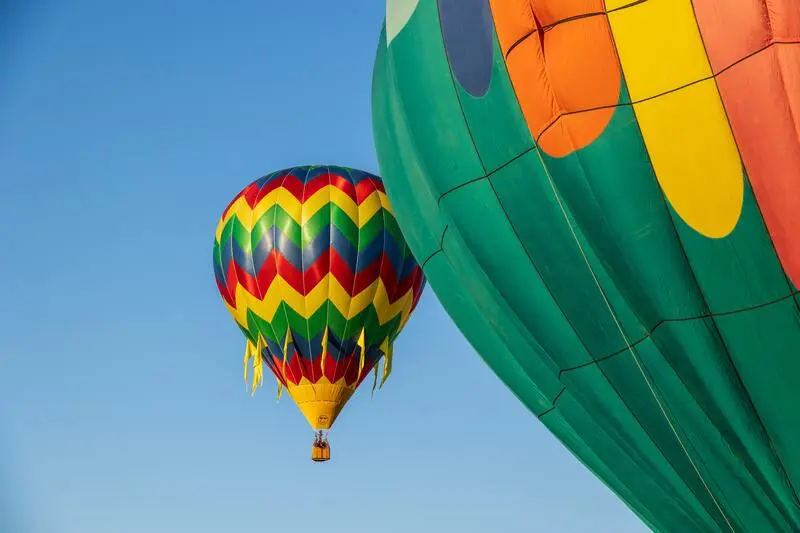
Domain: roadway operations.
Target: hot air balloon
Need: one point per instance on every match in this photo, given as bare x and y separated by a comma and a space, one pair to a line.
312, 266
603, 195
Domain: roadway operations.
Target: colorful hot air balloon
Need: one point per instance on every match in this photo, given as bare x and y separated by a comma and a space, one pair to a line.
604, 195
312, 266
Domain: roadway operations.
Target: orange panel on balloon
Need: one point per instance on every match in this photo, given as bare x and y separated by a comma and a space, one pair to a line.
753, 46
564, 68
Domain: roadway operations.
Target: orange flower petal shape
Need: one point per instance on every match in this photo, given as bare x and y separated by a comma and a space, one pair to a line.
564, 68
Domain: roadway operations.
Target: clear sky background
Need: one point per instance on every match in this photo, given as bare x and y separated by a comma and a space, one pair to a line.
125, 129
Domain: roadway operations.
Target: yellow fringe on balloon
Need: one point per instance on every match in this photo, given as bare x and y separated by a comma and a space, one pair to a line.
375, 377
285, 356
324, 350
286, 349
361, 358
388, 349
254, 353
248, 354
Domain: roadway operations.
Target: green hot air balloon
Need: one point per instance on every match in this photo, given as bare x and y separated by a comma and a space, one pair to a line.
602, 195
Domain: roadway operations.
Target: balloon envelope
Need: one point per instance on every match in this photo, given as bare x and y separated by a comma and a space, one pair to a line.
604, 196
312, 266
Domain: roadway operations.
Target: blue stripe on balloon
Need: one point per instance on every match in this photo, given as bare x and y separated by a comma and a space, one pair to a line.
243, 258
219, 272
311, 350
328, 237
226, 253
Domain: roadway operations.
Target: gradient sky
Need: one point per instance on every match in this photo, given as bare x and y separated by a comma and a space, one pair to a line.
125, 129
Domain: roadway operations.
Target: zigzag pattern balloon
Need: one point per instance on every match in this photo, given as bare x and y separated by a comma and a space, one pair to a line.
315, 271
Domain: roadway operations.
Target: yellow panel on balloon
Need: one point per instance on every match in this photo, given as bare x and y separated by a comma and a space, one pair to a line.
682, 119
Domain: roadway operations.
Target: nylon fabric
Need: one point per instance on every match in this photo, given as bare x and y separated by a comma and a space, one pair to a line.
687, 228
314, 269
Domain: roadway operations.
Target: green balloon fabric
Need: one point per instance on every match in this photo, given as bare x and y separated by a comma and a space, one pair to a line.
667, 361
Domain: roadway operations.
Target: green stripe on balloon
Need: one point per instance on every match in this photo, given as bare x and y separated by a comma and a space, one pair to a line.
303, 234
275, 330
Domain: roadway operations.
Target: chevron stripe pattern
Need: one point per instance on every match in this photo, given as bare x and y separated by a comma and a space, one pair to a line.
313, 254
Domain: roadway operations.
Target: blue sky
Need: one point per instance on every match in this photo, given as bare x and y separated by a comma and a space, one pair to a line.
125, 128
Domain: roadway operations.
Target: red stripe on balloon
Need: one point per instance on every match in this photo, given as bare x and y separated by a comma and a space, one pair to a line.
303, 191
231, 281
329, 261
297, 368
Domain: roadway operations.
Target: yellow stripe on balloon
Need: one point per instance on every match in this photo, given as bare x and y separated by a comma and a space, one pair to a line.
239, 313
280, 291
682, 119
385, 203
282, 198
239, 208
359, 214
